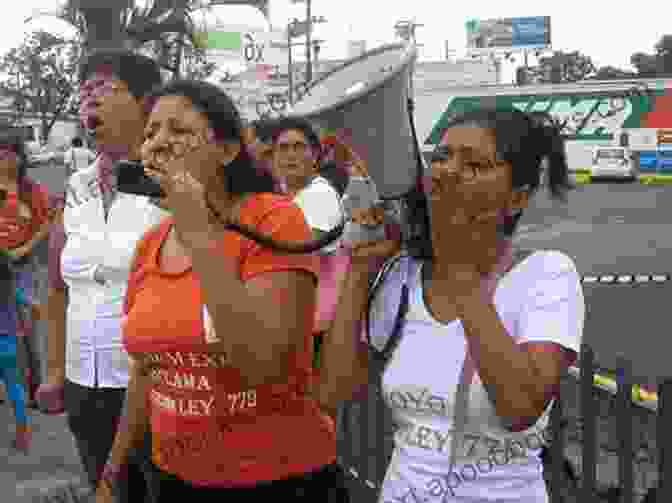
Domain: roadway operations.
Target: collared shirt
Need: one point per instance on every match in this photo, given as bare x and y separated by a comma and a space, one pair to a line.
321, 206
94, 265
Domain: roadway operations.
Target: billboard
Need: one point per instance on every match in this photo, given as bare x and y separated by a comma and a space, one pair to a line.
508, 34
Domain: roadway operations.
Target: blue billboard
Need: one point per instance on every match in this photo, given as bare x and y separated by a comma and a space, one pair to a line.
507, 33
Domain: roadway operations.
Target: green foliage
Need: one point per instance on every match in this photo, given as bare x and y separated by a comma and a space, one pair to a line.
163, 29
566, 67
658, 64
40, 76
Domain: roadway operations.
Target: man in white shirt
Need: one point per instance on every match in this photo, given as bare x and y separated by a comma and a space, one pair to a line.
78, 157
296, 160
90, 259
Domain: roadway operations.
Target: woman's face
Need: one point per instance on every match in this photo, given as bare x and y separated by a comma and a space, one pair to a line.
293, 156
174, 128
485, 180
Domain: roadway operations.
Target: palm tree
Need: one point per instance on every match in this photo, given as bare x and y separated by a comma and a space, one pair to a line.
160, 27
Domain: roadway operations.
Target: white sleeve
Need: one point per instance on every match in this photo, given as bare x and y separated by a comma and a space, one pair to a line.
320, 205
554, 310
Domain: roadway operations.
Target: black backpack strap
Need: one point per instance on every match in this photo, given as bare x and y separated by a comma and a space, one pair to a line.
402, 260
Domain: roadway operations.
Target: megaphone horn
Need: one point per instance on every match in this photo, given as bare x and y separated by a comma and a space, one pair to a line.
365, 100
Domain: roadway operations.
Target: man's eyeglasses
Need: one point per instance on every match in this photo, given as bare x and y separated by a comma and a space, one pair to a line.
470, 168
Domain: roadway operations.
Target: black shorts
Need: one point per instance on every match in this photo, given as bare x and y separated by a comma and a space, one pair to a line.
326, 485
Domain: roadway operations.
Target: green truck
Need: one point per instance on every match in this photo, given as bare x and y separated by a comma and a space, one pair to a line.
625, 113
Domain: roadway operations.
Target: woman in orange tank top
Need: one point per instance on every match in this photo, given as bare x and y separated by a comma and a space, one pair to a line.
218, 327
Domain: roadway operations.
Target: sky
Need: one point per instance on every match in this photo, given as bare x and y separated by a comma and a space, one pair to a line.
598, 29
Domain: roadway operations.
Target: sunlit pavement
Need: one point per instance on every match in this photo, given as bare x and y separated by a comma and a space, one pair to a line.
50, 473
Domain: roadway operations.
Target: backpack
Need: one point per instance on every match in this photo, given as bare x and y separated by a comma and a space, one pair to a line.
365, 425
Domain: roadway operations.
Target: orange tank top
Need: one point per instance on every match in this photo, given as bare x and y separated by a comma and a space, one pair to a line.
206, 428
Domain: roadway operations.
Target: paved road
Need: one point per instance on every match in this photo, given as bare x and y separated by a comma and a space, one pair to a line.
621, 229
606, 228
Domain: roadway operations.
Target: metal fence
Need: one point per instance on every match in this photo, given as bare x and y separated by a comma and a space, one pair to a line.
365, 431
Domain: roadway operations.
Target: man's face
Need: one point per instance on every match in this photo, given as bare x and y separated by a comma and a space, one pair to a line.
294, 157
113, 116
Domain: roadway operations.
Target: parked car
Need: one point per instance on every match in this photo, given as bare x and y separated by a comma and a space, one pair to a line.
613, 162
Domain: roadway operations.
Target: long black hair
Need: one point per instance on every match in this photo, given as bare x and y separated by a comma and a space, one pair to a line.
525, 141
139, 72
242, 175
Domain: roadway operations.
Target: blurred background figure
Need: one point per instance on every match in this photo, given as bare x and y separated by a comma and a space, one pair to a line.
297, 153
23, 226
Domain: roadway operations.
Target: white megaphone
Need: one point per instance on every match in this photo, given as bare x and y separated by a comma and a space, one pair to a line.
365, 101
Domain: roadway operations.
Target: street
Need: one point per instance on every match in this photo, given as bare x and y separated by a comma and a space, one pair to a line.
619, 229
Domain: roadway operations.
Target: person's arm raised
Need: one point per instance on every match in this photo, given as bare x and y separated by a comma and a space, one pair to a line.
344, 355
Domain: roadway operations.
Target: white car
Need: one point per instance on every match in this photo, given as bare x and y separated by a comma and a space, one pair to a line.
613, 162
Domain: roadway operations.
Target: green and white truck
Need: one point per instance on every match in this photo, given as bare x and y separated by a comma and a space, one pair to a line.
594, 114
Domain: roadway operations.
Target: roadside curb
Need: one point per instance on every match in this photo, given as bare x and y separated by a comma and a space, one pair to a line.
655, 179
625, 279
54, 490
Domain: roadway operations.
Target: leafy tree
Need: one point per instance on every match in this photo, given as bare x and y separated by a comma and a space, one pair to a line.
163, 28
565, 67
657, 64
40, 77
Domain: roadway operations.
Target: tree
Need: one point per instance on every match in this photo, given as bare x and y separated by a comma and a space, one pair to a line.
664, 54
40, 77
659, 63
161, 27
564, 67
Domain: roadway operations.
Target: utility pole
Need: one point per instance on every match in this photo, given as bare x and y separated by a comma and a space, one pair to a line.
405, 30
309, 29
290, 70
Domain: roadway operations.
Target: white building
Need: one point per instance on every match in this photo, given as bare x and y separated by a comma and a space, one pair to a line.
432, 80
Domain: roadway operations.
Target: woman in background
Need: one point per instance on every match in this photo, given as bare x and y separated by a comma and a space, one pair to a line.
11, 297
24, 224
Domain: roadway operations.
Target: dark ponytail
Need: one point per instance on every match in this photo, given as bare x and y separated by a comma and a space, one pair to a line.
552, 152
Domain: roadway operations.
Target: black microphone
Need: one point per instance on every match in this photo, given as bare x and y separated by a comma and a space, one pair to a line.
131, 179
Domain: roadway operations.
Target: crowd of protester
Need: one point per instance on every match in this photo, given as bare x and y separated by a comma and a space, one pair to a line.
194, 362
